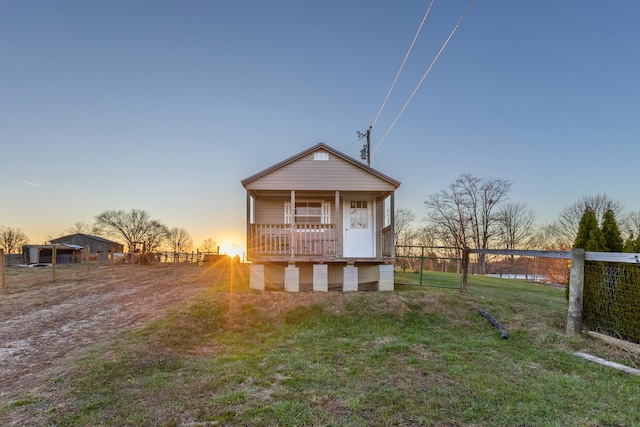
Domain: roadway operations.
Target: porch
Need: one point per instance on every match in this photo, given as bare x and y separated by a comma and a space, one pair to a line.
307, 241
291, 240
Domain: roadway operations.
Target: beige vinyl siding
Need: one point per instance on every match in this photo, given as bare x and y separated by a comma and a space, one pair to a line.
269, 211
309, 174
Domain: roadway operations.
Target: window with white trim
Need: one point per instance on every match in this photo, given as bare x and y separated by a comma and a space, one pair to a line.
308, 212
359, 214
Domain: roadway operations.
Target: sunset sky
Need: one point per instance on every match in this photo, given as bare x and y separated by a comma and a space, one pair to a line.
165, 106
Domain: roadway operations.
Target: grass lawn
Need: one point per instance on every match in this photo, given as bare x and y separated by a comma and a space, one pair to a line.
417, 356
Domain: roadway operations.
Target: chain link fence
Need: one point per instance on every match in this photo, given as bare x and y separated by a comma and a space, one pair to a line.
433, 266
420, 265
612, 299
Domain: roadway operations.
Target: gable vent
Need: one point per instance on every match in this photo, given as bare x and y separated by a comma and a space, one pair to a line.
321, 156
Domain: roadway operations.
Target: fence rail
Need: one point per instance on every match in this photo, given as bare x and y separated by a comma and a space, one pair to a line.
185, 257
604, 290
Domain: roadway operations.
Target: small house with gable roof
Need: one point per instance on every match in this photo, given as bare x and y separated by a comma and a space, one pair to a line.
320, 220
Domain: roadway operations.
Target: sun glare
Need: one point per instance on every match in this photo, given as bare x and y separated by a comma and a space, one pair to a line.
232, 249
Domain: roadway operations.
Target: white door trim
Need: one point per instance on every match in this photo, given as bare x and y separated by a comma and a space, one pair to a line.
358, 239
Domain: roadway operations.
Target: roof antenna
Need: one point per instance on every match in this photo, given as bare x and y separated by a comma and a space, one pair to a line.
365, 153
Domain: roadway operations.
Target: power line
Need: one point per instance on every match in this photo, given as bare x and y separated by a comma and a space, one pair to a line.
402, 65
424, 76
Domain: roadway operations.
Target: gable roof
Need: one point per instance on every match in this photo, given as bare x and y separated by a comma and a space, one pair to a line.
321, 147
71, 237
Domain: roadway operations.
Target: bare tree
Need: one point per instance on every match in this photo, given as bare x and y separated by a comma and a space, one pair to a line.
135, 227
447, 217
12, 239
485, 195
424, 237
402, 221
209, 245
630, 225
403, 237
156, 234
515, 226
544, 239
180, 240
80, 228
565, 226
463, 215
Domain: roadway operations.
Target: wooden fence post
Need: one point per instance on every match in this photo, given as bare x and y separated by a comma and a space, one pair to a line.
465, 269
88, 256
421, 262
3, 286
576, 288
54, 255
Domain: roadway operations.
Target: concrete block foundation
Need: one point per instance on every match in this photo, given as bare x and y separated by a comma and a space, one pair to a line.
256, 277
292, 279
385, 277
350, 283
321, 277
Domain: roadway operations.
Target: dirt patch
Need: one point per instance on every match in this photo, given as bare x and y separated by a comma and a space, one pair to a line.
44, 324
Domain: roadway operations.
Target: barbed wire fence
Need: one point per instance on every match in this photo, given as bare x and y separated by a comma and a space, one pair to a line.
17, 272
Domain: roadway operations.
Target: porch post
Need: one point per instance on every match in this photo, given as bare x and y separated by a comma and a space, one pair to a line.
292, 234
338, 250
392, 206
248, 225
2, 282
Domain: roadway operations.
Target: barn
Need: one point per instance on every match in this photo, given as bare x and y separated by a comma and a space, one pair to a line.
99, 247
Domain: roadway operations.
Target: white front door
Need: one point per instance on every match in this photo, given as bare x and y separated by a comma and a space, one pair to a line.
358, 228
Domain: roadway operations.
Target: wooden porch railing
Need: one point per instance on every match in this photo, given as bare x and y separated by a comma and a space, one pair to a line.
387, 242
305, 239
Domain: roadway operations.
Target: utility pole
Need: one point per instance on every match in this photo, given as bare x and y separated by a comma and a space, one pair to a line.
365, 153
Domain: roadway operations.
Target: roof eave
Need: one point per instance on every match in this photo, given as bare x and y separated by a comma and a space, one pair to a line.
316, 147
